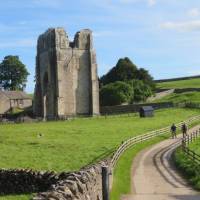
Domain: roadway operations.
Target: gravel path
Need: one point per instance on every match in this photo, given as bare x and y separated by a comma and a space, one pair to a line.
154, 176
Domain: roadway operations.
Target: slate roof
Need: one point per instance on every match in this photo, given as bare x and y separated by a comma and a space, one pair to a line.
15, 95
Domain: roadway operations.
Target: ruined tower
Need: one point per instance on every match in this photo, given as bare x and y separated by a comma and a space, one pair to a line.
66, 75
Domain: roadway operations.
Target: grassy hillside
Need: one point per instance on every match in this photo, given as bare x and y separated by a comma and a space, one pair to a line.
70, 145
182, 97
181, 84
191, 83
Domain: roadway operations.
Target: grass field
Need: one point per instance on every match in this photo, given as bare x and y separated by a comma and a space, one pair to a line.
191, 83
15, 197
189, 169
71, 145
183, 97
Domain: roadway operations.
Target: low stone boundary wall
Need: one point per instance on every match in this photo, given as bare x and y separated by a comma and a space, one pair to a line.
177, 79
182, 90
26, 181
110, 110
83, 185
160, 95
179, 90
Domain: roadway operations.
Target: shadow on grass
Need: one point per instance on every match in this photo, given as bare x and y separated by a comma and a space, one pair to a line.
185, 197
33, 143
103, 156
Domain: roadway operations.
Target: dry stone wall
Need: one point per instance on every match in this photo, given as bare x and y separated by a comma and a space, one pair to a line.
177, 79
85, 184
26, 181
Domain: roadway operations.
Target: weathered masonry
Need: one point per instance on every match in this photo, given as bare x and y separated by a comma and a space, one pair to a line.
66, 75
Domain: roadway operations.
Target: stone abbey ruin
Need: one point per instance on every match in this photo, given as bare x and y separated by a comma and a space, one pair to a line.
66, 75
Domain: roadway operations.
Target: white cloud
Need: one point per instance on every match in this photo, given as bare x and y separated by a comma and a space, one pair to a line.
194, 12
193, 72
22, 23
29, 42
47, 3
182, 26
151, 2
128, 1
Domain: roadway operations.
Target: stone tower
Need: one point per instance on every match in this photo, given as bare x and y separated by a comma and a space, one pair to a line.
66, 75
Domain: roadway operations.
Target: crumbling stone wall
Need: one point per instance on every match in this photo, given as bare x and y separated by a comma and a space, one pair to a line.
26, 181
83, 185
66, 75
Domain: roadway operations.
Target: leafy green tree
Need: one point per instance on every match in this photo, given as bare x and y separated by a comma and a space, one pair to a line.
13, 73
115, 94
143, 75
124, 70
141, 91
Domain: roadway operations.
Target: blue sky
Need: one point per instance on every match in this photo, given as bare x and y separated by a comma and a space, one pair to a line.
162, 36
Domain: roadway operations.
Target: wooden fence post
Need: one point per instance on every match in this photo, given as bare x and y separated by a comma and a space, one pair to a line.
188, 139
183, 145
105, 182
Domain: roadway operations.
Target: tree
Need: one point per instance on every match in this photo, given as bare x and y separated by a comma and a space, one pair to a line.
141, 91
143, 75
13, 73
115, 94
123, 71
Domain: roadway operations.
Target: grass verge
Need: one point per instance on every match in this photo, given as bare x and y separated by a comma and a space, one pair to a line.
15, 197
191, 83
122, 177
189, 169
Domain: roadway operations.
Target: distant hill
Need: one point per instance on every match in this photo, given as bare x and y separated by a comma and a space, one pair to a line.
177, 79
179, 83
187, 89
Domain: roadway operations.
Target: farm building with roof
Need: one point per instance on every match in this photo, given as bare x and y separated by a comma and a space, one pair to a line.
14, 99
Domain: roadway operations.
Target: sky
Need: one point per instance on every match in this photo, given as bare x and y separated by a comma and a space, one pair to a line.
162, 36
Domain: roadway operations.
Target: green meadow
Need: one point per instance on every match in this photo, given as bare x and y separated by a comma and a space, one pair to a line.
191, 83
70, 145
182, 97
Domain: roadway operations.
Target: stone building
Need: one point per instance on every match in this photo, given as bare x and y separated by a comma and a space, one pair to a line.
14, 99
66, 75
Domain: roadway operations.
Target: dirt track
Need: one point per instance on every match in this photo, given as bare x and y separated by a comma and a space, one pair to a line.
155, 178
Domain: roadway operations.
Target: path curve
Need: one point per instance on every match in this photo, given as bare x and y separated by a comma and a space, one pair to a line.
154, 176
